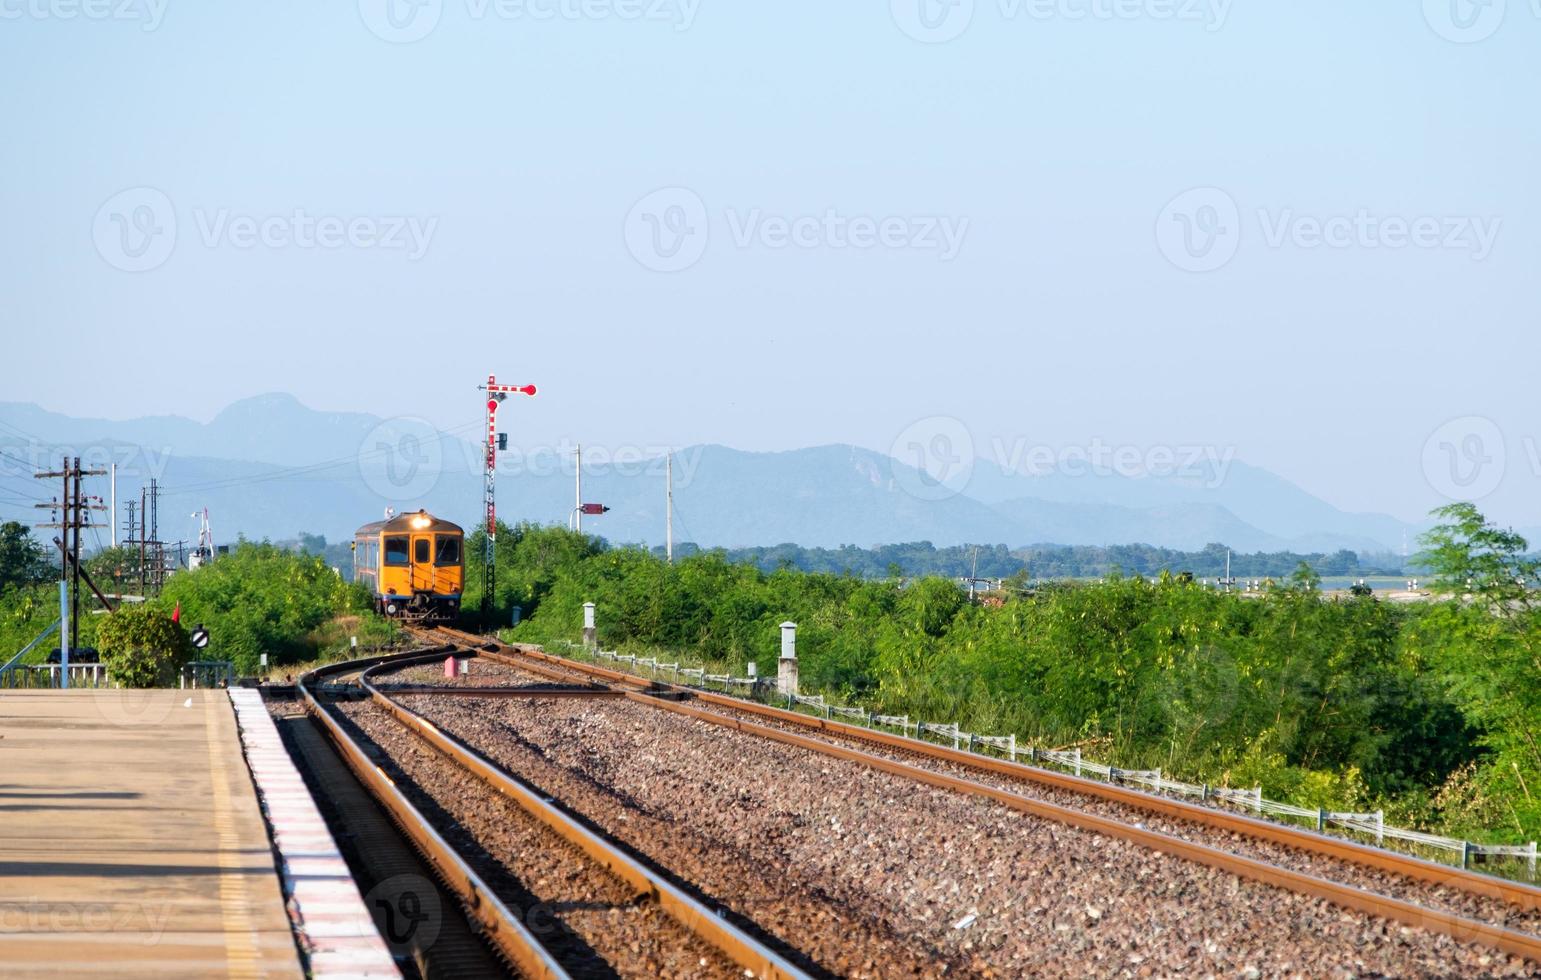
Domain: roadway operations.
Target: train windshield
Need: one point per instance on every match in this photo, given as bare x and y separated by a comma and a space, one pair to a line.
448, 550
396, 549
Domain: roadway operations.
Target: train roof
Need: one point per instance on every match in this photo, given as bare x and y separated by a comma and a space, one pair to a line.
409, 522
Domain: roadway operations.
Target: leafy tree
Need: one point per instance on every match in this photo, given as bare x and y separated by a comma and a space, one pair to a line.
1304, 578
1467, 554
22, 558
261, 599
114, 569
921, 558
142, 647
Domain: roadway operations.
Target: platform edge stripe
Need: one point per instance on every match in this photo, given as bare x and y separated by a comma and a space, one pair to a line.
295, 822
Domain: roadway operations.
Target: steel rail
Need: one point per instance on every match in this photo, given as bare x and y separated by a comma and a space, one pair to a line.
681, 906
1346, 896
500, 924
684, 908
1516, 893
469, 691
1521, 895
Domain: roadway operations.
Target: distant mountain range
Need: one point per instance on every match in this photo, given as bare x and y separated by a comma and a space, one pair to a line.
271, 467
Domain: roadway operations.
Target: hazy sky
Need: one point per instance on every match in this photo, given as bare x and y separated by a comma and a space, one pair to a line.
1305, 232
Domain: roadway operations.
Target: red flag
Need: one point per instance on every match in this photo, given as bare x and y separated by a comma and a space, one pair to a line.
176, 614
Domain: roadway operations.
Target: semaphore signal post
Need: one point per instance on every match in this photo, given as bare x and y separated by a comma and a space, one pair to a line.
496, 393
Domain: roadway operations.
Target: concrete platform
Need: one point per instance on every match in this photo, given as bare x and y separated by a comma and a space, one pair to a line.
131, 841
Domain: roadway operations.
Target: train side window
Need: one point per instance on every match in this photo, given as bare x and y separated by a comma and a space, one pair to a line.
396, 549
420, 551
448, 550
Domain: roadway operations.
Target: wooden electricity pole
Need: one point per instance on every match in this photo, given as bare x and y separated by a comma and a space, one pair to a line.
74, 512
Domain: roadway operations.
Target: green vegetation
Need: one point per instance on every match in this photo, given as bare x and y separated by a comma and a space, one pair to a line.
29, 595
1429, 711
257, 599
1043, 561
260, 598
22, 559
143, 647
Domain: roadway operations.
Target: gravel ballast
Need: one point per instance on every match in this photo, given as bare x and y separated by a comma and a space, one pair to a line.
1492, 909
588, 918
914, 879
1462, 901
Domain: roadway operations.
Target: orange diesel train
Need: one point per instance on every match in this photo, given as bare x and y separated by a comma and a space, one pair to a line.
413, 564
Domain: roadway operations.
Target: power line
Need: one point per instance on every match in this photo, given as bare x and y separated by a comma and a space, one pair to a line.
22, 432
20, 476
300, 470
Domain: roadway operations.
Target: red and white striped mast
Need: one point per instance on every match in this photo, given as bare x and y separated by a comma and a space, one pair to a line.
495, 394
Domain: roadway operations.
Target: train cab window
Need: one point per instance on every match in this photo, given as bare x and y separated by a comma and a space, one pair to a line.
448, 550
420, 551
396, 549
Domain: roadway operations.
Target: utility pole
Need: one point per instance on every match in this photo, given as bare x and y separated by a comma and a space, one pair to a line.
496, 394
132, 537
668, 507
75, 550
74, 513
158, 567
578, 489
112, 508
143, 515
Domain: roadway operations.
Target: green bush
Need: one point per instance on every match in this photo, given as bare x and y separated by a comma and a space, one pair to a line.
142, 647
1349, 703
262, 599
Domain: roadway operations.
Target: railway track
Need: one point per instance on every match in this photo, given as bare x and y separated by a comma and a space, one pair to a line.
552, 896
1463, 905
419, 928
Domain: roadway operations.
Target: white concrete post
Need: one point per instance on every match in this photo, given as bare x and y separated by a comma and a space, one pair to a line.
589, 634
786, 672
